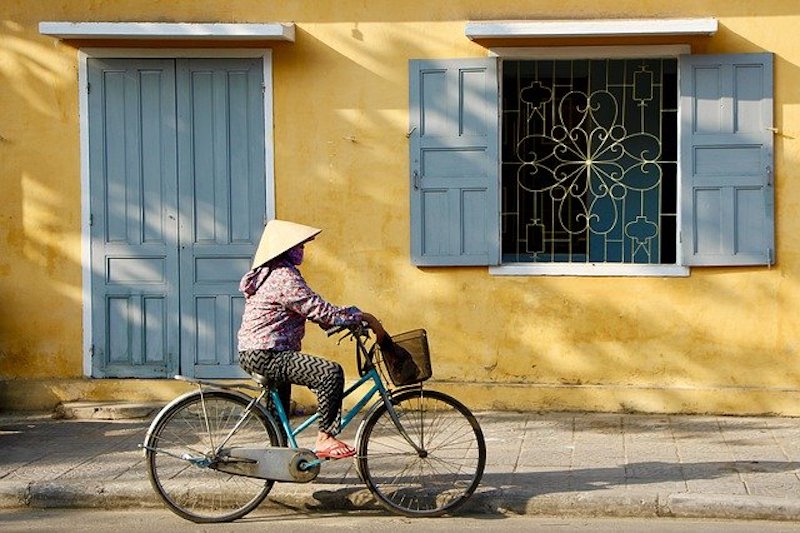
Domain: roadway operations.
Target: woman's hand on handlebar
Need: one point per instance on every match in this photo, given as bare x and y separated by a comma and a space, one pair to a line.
375, 325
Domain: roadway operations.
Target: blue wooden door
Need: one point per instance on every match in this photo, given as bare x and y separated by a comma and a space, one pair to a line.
134, 212
177, 181
222, 198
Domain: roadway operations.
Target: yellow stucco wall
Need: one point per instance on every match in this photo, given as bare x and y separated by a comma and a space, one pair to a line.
721, 340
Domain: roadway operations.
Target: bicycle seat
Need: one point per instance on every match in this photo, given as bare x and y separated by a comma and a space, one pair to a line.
261, 380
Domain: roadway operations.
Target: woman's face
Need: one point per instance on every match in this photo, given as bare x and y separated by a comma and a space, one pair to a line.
296, 254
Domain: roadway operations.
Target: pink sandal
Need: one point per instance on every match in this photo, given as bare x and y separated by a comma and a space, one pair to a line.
337, 451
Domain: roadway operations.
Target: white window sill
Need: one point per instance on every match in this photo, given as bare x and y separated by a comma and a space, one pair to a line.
523, 29
589, 269
274, 31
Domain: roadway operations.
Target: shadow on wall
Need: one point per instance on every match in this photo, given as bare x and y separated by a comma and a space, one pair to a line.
39, 231
720, 327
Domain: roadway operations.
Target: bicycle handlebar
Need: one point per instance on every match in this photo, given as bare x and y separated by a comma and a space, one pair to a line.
362, 330
358, 332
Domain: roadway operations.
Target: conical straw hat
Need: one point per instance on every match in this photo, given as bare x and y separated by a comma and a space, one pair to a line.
280, 236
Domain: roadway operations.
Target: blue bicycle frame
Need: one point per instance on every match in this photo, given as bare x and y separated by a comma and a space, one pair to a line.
292, 433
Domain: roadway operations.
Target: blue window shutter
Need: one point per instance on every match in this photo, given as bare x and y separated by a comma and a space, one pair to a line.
455, 207
727, 199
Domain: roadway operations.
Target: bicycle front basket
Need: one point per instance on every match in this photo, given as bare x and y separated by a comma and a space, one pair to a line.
407, 358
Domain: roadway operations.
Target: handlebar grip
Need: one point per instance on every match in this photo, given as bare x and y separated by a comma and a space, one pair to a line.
352, 329
334, 330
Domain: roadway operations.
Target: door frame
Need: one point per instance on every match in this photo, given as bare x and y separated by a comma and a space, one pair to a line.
84, 54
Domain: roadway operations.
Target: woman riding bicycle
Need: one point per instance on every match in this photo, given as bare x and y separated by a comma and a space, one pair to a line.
277, 304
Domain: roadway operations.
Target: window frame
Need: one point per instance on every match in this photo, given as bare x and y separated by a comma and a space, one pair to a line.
679, 269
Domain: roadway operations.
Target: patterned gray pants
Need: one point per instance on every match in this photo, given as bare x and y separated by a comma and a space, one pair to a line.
324, 377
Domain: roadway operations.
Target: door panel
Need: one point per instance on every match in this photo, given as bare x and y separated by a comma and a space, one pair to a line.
222, 189
134, 217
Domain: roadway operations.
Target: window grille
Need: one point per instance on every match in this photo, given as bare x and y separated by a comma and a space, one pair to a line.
589, 161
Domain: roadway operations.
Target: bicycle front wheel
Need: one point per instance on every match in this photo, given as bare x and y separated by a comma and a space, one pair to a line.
440, 476
181, 455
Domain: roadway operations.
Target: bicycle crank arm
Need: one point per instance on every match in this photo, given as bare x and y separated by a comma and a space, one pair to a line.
297, 465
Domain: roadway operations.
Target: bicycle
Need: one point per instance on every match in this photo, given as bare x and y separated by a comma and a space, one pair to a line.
214, 454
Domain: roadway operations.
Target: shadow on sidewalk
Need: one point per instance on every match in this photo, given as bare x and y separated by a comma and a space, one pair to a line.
510, 491
24, 440
532, 484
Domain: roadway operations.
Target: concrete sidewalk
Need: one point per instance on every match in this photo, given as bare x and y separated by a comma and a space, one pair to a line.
551, 463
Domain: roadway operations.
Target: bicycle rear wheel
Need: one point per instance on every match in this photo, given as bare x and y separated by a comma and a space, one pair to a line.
180, 456
441, 477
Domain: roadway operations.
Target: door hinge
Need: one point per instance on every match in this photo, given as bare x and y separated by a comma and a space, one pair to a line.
91, 350
769, 175
88, 87
91, 220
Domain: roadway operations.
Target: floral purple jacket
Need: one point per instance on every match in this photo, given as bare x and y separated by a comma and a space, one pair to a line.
277, 304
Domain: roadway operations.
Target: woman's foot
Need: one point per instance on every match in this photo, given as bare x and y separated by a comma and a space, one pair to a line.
329, 447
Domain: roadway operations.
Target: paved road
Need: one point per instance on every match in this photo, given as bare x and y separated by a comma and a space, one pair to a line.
151, 521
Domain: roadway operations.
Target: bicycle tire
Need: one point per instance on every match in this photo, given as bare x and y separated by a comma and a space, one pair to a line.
432, 483
201, 493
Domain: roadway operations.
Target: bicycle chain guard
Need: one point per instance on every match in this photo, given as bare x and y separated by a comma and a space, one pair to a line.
277, 464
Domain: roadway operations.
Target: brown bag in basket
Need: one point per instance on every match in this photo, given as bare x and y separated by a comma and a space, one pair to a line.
399, 362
